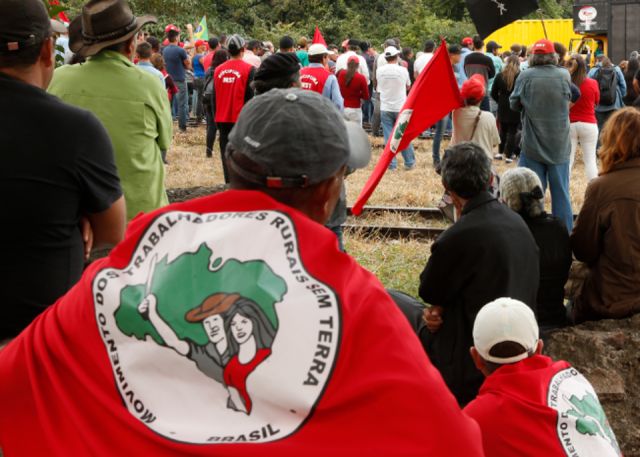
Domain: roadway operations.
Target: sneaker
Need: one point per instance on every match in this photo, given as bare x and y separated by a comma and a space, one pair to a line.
435, 163
508, 160
410, 168
391, 169
497, 157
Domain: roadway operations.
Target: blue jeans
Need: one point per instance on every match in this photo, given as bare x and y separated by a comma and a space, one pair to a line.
388, 119
338, 231
437, 139
367, 106
181, 104
558, 178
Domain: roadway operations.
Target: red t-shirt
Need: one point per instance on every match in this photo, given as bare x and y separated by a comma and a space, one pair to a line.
357, 90
230, 81
585, 109
127, 362
540, 408
206, 62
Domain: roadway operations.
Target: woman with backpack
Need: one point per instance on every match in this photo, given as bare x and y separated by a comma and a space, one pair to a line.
612, 87
209, 104
582, 115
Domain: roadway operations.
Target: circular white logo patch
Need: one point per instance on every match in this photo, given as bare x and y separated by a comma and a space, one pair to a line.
215, 331
583, 428
398, 131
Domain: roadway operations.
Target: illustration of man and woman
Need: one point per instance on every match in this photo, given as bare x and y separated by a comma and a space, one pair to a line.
240, 338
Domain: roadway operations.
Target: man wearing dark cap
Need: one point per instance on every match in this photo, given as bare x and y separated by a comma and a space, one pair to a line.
61, 188
232, 82
343, 60
423, 60
339, 365
278, 71
287, 44
129, 101
479, 63
214, 45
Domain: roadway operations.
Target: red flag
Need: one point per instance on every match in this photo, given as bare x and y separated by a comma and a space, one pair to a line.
61, 16
318, 38
225, 326
434, 95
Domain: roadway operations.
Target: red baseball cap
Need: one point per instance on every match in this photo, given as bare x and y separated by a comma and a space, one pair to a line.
467, 40
473, 88
199, 43
543, 47
166, 42
171, 27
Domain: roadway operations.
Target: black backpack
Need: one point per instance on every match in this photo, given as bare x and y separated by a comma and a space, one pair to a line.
207, 96
608, 81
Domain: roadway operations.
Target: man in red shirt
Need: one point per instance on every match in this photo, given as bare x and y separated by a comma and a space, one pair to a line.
214, 45
317, 78
233, 90
230, 325
530, 406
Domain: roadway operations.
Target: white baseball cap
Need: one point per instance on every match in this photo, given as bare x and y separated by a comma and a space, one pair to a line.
391, 51
503, 320
318, 49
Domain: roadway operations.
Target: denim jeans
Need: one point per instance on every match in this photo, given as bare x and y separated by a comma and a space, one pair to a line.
181, 104
388, 119
367, 106
338, 231
375, 116
558, 178
441, 126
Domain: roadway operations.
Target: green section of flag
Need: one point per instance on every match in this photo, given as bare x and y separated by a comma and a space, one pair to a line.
202, 32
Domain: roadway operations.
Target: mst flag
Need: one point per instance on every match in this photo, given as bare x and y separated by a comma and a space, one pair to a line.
59, 12
202, 32
491, 15
318, 38
434, 95
229, 325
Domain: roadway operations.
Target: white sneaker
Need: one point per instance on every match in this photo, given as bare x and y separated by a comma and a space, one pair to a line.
497, 157
509, 161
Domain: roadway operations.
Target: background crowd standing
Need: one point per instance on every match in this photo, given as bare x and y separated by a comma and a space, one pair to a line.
121, 92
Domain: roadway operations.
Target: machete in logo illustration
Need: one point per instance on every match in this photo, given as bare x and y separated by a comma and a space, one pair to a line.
238, 330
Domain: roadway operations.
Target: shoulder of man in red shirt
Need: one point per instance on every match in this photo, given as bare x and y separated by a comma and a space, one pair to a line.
539, 407
206, 63
345, 374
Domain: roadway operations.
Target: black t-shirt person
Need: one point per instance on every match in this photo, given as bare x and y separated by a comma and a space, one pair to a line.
56, 160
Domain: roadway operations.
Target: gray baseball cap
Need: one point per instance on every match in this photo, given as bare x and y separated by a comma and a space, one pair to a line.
298, 137
235, 43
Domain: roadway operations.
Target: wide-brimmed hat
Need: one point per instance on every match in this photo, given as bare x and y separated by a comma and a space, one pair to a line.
213, 304
103, 23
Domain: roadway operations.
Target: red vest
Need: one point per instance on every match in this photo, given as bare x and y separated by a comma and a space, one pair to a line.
314, 79
230, 83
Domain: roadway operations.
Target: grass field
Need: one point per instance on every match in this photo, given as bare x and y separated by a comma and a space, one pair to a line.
397, 263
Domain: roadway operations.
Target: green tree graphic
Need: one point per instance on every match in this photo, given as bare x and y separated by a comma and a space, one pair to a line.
186, 282
400, 130
592, 419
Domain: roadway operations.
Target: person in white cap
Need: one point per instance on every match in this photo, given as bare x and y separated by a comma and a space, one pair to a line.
317, 78
530, 405
393, 83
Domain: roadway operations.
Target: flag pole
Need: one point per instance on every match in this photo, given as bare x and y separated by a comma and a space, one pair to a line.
544, 27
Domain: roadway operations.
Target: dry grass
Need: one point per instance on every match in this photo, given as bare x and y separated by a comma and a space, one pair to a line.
398, 264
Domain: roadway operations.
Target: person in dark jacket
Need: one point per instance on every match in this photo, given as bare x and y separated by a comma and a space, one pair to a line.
509, 119
606, 235
521, 190
487, 254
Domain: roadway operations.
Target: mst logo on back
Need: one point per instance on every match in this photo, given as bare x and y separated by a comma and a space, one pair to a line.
215, 331
583, 428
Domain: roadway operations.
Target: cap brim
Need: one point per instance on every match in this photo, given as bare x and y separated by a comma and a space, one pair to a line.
58, 26
77, 46
359, 146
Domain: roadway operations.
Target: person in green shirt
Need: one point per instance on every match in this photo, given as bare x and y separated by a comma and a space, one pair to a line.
303, 46
129, 101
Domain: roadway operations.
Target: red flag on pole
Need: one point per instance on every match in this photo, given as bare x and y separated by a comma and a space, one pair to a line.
434, 95
318, 38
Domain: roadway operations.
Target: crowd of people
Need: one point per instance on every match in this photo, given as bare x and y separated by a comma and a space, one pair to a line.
269, 292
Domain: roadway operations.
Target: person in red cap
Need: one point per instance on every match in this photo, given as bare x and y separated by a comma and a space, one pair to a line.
467, 48
470, 123
543, 94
